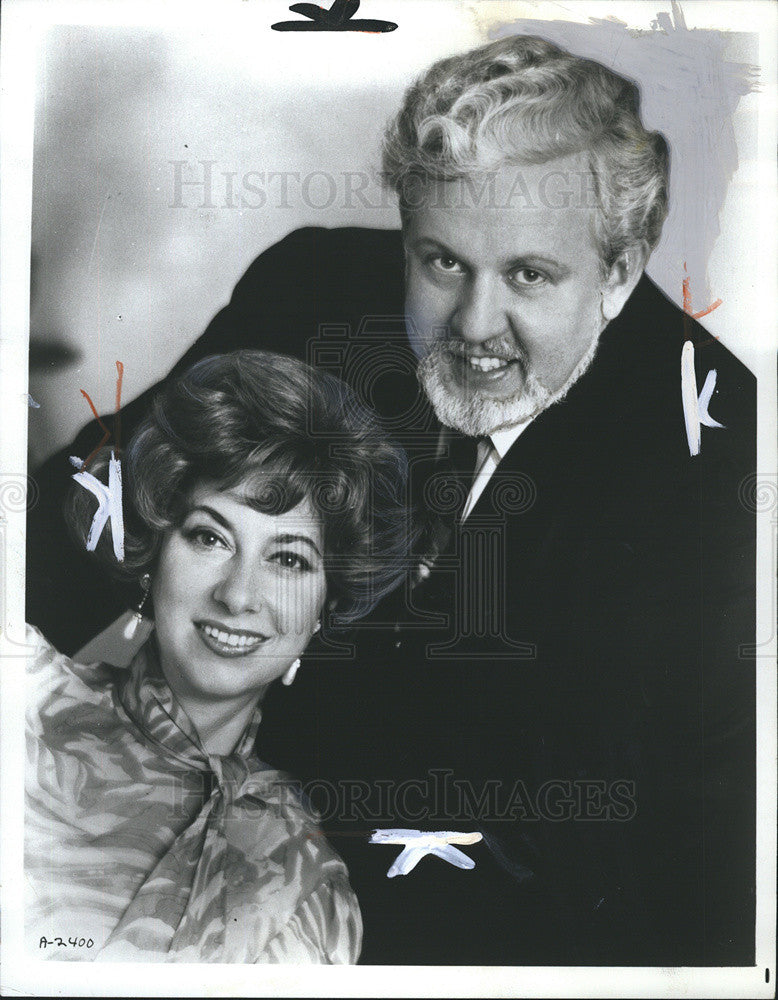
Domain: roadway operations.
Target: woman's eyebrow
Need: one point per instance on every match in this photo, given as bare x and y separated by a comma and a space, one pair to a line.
289, 539
219, 518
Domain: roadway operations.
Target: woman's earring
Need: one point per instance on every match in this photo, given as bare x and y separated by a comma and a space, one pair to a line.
291, 673
132, 625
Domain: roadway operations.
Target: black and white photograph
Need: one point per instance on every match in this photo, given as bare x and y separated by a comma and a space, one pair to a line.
388, 498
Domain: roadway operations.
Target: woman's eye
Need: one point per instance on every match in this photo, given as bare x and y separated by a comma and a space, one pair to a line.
292, 560
448, 265
204, 538
527, 276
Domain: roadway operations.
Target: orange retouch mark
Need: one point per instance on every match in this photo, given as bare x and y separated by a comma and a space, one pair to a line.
106, 432
687, 300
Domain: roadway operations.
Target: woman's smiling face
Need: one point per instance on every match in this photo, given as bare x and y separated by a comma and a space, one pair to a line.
237, 595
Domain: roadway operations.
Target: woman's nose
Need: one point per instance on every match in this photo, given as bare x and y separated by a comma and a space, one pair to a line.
239, 589
480, 315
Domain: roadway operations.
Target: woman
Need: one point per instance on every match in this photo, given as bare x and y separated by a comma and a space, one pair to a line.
259, 498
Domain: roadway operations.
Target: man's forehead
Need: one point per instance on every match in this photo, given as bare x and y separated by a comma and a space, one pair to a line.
515, 211
563, 183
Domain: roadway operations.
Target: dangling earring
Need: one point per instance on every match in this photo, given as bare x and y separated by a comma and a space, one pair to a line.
132, 625
291, 673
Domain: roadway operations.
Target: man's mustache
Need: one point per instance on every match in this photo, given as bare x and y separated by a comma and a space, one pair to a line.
496, 348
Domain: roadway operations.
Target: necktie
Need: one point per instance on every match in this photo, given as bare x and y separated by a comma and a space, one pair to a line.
468, 465
442, 497
486, 463
462, 460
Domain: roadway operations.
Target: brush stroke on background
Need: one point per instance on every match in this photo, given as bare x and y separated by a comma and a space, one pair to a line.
417, 844
695, 409
339, 17
109, 504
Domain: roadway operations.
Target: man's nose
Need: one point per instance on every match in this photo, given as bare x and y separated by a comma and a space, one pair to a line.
239, 589
480, 314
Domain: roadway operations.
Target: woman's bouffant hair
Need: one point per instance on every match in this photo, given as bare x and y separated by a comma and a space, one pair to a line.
523, 100
282, 432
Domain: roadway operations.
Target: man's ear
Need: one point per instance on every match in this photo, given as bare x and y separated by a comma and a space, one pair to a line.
621, 279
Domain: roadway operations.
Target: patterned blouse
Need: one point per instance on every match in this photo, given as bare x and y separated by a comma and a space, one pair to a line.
141, 843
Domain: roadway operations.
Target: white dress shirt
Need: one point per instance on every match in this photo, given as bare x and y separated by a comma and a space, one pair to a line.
488, 460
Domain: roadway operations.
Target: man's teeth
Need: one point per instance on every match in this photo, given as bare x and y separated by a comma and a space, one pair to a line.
487, 364
229, 638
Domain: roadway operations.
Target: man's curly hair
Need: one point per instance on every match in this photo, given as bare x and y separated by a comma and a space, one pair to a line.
523, 100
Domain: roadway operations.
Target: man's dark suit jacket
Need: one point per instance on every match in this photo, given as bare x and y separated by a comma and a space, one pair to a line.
575, 679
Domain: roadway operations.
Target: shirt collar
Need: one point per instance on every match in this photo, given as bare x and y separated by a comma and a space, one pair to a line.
504, 438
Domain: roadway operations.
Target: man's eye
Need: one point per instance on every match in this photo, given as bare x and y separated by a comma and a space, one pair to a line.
448, 265
292, 560
527, 276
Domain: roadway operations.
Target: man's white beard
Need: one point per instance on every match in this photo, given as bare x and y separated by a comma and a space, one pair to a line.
475, 416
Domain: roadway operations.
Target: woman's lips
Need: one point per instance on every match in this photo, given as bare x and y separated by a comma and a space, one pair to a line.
229, 642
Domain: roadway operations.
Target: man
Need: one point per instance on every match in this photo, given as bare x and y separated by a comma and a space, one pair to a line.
566, 673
